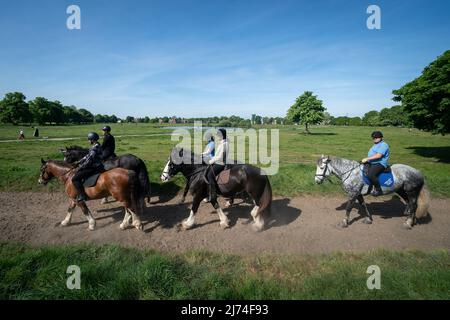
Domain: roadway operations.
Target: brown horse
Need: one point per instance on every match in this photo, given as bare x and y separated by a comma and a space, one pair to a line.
120, 183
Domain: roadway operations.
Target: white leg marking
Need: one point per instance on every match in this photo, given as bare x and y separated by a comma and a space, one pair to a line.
136, 221
224, 221
126, 220
68, 217
259, 221
105, 200
189, 222
91, 220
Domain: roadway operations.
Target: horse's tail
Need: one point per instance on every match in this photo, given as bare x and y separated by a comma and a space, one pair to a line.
423, 202
137, 200
265, 202
144, 181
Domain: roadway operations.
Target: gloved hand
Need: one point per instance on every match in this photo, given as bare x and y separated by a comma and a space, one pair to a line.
365, 160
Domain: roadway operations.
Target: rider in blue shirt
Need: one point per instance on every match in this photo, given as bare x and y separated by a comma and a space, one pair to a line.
209, 151
377, 157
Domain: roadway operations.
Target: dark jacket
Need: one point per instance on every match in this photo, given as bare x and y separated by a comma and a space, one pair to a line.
108, 146
93, 159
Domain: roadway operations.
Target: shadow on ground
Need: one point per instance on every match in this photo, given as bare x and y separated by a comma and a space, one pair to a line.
442, 154
386, 209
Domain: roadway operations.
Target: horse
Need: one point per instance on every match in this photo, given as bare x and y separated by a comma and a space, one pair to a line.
127, 161
243, 177
120, 183
408, 183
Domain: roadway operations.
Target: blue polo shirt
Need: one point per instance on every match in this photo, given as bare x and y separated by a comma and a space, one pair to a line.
211, 146
382, 148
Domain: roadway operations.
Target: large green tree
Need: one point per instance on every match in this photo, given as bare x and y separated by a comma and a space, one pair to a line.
426, 99
14, 109
306, 110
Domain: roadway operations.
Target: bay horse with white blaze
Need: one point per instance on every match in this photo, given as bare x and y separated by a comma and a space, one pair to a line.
120, 183
242, 177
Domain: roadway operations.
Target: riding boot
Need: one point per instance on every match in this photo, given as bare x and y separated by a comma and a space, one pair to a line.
377, 190
82, 196
212, 193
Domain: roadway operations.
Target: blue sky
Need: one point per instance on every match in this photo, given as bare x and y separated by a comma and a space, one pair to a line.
204, 58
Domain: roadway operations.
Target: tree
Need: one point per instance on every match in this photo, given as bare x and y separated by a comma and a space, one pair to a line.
426, 99
86, 116
394, 116
14, 109
371, 118
306, 110
41, 110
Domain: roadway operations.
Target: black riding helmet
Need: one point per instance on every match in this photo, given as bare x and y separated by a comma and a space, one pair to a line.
377, 134
106, 128
93, 136
223, 132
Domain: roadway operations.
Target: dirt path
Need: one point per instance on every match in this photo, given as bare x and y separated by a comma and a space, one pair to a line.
300, 225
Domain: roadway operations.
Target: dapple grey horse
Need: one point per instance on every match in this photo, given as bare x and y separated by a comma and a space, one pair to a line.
409, 184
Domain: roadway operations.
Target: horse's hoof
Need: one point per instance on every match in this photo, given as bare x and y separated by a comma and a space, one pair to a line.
228, 204
407, 226
123, 226
367, 221
139, 227
64, 223
104, 201
91, 228
343, 224
185, 226
224, 225
257, 228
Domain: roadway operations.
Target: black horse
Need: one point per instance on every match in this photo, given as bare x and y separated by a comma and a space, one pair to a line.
243, 177
127, 161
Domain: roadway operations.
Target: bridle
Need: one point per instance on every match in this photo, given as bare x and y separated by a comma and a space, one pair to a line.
324, 176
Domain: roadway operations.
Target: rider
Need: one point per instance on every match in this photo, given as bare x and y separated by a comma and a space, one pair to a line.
217, 163
208, 153
377, 157
109, 144
88, 165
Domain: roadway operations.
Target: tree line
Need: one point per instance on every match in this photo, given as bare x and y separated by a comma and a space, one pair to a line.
424, 104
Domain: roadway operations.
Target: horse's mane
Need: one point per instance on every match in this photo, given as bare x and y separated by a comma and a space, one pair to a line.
187, 154
61, 163
75, 147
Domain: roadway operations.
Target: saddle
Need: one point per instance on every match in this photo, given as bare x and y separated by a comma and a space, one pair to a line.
221, 179
91, 181
386, 178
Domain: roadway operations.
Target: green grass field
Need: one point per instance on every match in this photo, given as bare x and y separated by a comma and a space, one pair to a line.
111, 272
19, 161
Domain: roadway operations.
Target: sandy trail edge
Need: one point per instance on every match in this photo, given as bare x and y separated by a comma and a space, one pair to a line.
300, 225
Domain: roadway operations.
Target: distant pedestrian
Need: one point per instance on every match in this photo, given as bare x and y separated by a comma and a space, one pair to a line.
21, 135
36, 133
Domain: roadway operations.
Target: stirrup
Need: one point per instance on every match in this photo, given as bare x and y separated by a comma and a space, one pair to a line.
81, 197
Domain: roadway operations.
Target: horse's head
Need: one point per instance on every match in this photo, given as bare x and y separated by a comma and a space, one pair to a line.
46, 175
73, 153
322, 170
173, 165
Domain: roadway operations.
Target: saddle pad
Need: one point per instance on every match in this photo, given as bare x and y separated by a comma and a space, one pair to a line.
91, 181
223, 177
386, 179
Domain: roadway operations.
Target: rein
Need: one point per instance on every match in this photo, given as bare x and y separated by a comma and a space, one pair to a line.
341, 175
